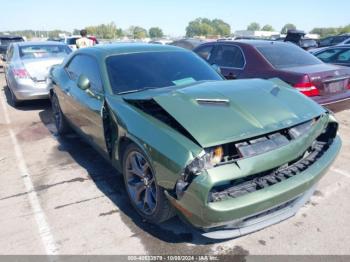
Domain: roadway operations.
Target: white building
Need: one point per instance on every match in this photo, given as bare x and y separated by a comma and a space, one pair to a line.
262, 34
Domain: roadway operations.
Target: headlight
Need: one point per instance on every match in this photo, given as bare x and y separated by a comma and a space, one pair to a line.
210, 158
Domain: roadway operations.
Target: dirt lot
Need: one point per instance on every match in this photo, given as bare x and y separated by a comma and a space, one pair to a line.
57, 196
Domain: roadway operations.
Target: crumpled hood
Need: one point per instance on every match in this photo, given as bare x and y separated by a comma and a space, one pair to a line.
218, 112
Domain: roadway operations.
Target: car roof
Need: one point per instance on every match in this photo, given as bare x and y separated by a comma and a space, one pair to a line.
10, 36
335, 47
126, 48
30, 43
256, 43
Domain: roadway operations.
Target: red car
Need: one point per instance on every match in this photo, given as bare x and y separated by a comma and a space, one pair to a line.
325, 83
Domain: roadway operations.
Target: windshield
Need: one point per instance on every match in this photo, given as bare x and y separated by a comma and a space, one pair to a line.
43, 51
138, 71
288, 55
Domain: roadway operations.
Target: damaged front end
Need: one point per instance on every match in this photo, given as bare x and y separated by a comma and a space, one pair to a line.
240, 187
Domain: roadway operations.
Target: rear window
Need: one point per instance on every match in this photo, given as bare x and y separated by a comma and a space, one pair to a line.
284, 56
7, 41
43, 51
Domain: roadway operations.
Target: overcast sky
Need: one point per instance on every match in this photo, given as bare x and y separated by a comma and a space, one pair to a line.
171, 15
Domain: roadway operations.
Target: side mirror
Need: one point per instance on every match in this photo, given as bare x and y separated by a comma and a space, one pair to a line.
3, 58
216, 68
83, 82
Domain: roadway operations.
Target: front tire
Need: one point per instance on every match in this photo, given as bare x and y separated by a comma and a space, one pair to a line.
61, 123
145, 195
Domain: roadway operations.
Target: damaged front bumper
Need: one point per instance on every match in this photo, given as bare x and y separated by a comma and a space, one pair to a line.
233, 215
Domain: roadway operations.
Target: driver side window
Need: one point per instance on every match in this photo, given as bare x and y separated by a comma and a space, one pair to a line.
86, 65
74, 67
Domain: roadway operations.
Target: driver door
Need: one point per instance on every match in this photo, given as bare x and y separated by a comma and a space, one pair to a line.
85, 106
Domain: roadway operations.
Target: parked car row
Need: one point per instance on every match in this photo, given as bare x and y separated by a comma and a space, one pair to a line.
334, 40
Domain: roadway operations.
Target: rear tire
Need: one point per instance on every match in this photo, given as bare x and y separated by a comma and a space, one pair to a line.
145, 195
61, 123
14, 101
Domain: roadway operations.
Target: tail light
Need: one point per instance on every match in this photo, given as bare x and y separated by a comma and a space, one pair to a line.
349, 85
308, 89
21, 73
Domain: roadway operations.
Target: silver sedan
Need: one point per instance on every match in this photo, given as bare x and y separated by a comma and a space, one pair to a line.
27, 67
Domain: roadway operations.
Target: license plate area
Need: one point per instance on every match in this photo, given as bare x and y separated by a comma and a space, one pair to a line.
336, 87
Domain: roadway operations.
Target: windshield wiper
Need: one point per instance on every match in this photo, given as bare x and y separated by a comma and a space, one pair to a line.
136, 90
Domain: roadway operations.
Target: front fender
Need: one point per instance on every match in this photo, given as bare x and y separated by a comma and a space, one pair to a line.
168, 151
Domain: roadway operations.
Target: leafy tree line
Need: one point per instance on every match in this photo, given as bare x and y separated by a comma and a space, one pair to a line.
111, 31
207, 27
36, 33
256, 27
102, 31
198, 27
328, 31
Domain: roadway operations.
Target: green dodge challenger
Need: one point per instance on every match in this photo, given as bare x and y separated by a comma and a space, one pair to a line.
229, 157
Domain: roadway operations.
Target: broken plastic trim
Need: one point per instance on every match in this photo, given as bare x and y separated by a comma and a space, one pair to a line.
262, 144
189, 173
242, 186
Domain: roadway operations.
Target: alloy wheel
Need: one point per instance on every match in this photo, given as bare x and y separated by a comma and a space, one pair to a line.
141, 183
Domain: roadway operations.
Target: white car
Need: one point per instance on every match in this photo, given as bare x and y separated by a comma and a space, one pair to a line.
71, 41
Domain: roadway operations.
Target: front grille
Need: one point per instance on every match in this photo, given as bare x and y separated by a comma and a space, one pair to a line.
253, 183
271, 211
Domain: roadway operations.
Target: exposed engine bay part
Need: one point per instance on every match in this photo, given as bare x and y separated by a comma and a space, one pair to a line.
152, 108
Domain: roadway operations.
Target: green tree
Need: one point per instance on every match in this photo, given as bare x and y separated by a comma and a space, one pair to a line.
221, 28
325, 31
104, 31
345, 29
287, 27
268, 28
137, 32
155, 32
253, 27
76, 32
207, 27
